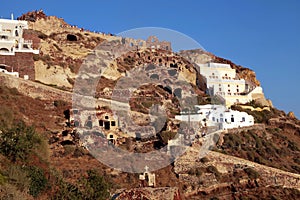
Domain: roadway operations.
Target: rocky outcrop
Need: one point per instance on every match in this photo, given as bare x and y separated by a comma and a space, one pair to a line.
167, 193
33, 16
291, 115
201, 56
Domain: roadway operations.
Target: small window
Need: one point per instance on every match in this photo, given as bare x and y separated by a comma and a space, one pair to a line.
228, 85
243, 119
213, 118
225, 74
220, 89
113, 123
100, 123
237, 90
111, 136
106, 117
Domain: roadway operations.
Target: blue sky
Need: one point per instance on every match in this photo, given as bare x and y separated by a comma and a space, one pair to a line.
263, 35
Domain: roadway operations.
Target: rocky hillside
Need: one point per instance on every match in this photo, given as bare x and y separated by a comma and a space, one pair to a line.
41, 156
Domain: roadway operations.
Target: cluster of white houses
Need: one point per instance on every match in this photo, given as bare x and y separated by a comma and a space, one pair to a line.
222, 81
11, 37
217, 116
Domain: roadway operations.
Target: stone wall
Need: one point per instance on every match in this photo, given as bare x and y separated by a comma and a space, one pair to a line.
20, 62
32, 35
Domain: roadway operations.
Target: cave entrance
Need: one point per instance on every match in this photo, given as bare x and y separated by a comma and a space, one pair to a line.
71, 38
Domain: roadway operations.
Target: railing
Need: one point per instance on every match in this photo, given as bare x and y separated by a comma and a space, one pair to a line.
27, 42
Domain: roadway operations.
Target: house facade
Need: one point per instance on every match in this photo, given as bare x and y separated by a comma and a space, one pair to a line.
222, 81
217, 116
11, 37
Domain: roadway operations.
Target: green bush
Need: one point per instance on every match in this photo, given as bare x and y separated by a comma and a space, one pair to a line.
95, 187
38, 181
91, 187
18, 142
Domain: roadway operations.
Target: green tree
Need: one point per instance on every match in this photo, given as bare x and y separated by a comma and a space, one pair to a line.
95, 187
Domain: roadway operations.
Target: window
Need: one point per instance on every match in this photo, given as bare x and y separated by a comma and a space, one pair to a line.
220, 89
243, 119
106, 117
229, 86
111, 136
213, 118
225, 74
232, 118
237, 90
100, 123
113, 123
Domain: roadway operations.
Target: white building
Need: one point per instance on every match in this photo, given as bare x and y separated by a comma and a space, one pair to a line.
11, 37
222, 80
218, 116
16, 74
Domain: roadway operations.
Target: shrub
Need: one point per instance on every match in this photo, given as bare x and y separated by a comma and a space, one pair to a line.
18, 177
18, 142
95, 187
36, 57
38, 181
252, 174
60, 103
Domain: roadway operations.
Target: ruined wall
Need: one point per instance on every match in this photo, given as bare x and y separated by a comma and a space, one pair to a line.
20, 62
151, 42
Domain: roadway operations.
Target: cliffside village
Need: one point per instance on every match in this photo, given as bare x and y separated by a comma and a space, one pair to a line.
220, 79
